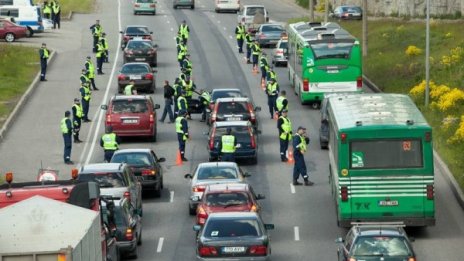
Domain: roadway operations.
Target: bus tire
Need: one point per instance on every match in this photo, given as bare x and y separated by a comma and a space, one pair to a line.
315, 105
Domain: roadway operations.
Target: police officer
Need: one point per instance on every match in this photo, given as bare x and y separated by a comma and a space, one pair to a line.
249, 44
104, 42
184, 31
182, 102
255, 51
86, 95
110, 143
284, 126
272, 89
264, 65
100, 57
56, 9
240, 35
130, 88
282, 102
77, 118
182, 132
227, 146
84, 79
271, 74
90, 72
178, 38
181, 53
177, 93
189, 86
97, 31
168, 96
44, 53
205, 99
187, 65
300, 141
66, 130
47, 9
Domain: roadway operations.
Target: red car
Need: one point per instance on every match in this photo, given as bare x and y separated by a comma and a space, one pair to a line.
11, 31
232, 197
133, 115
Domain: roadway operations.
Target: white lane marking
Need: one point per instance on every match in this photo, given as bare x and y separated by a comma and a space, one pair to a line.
172, 196
168, 21
172, 30
292, 188
296, 230
230, 36
160, 245
105, 97
202, 6
212, 16
225, 29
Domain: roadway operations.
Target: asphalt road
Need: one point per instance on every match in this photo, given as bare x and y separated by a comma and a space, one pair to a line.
304, 216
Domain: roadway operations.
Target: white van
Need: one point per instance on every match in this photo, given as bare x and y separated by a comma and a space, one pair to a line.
28, 16
226, 5
17, 2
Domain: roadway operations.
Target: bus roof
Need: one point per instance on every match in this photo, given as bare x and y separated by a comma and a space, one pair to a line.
355, 111
306, 33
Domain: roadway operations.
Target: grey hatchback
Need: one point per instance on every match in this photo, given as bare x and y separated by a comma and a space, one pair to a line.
183, 3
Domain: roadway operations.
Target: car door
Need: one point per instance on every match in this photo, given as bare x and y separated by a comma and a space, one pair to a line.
156, 163
2, 29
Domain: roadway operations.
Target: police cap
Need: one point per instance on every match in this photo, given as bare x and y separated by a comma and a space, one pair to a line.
284, 110
67, 113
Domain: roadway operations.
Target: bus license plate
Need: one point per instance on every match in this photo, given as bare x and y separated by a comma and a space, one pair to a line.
332, 71
385, 203
233, 249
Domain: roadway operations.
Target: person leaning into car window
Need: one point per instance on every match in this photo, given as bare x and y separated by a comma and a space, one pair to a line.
110, 143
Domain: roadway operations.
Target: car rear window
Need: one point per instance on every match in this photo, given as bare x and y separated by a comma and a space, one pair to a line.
135, 69
382, 246
272, 28
254, 10
242, 133
133, 159
216, 173
227, 199
232, 228
145, 1
104, 180
232, 108
144, 45
129, 106
137, 30
225, 94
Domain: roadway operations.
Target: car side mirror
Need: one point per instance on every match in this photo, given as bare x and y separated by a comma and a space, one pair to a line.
260, 196
269, 226
196, 228
246, 174
188, 176
258, 108
195, 198
161, 159
104, 107
339, 240
157, 106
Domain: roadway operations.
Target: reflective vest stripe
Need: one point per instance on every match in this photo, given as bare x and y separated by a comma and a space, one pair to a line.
64, 126
286, 127
280, 103
79, 111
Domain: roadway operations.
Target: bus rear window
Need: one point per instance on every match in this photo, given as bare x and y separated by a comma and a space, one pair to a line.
386, 154
332, 50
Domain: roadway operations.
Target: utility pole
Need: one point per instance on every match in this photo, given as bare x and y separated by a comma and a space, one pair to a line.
326, 16
311, 10
427, 55
364, 28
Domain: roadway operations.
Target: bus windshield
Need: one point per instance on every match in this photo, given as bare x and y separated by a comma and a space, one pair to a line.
332, 50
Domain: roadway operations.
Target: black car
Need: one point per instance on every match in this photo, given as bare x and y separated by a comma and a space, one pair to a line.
224, 93
139, 50
237, 235
378, 242
246, 135
145, 165
128, 230
131, 31
142, 75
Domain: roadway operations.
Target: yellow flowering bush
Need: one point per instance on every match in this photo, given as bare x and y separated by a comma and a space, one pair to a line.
437, 91
445, 61
448, 35
320, 7
459, 134
455, 56
448, 122
400, 28
413, 50
418, 90
451, 99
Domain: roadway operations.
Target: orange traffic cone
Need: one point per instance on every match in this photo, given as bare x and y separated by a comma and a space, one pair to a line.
178, 158
276, 115
290, 158
263, 84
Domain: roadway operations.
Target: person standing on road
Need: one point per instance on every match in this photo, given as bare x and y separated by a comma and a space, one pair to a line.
184, 31
271, 74
205, 99
83, 78
189, 86
168, 98
187, 66
285, 134
181, 54
130, 88
227, 146
300, 141
97, 31
47, 9
44, 53
177, 93
90, 72
182, 132
66, 130
264, 65
255, 51
182, 102
110, 143
240, 35
104, 43
86, 95
56, 9
100, 57
77, 119
249, 45
282, 102
272, 89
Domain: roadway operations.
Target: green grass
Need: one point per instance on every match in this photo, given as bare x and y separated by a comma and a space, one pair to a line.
80, 6
18, 67
388, 66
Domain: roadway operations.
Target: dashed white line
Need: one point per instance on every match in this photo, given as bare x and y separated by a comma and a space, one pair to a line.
297, 233
292, 188
171, 199
172, 29
219, 22
225, 28
160, 245
230, 36
168, 22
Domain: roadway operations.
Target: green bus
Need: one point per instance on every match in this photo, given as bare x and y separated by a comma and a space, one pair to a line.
322, 59
380, 160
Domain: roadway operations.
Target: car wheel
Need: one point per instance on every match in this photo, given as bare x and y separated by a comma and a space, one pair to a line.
9, 37
139, 241
29, 32
175, 7
192, 210
192, 7
162, 183
134, 253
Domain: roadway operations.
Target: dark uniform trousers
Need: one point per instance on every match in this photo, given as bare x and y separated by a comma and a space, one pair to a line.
43, 68
283, 148
180, 138
299, 167
67, 146
271, 102
108, 155
228, 157
76, 128
85, 109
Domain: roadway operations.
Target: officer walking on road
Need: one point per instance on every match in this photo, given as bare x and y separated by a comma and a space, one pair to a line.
255, 51
177, 93
90, 72
182, 102
86, 95
205, 99
104, 43
97, 31
249, 45
264, 65
182, 132
66, 130
184, 31
77, 119
168, 98
110, 143
130, 88
227, 146
282, 102
285, 134
240, 35
300, 141
44, 53
272, 89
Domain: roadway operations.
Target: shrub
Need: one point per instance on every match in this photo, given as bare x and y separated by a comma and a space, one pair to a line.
413, 50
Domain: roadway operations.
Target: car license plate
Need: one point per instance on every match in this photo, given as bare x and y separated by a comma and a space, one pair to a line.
332, 71
388, 203
135, 77
130, 121
233, 249
233, 118
140, 59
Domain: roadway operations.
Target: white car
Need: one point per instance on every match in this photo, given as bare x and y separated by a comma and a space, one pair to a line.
226, 5
47, 23
280, 52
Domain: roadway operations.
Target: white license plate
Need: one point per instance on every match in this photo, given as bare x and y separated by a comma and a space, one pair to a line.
234, 118
332, 71
130, 121
135, 77
385, 203
140, 59
233, 249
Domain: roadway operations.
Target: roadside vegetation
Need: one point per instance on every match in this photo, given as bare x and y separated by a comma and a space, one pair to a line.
396, 64
81, 6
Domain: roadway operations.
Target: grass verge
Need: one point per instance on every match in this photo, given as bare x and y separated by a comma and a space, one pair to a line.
81, 6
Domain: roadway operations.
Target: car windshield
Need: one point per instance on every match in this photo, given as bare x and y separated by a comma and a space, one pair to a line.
225, 94
145, 1
144, 45
135, 69
133, 159
227, 199
239, 227
129, 106
254, 10
104, 180
381, 246
272, 28
232, 108
216, 172
137, 31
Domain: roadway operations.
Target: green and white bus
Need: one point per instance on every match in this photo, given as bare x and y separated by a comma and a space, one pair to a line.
380, 160
322, 59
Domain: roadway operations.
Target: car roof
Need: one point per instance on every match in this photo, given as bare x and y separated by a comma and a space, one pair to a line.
233, 215
272, 24
379, 230
101, 167
217, 164
253, 6
132, 151
227, 187
139, 40
130, 97
233, 99
226, 90
136, 26
220, 124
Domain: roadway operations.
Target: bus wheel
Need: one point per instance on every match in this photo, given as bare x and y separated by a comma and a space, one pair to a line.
315, 105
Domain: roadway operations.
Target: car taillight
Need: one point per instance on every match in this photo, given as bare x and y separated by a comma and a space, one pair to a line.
129, 234
152, 119
127, 195
279, 52
261, 36
430, 191
253, 143
258, 250
152, 5
121, 77
149, 76
148, 172
108, 119
254, 208
129, 52
202, 214
137, 5
305, 85
352, 259
126, 38
359, 82
344, 193
214, 113
198, 189
207, 251
211, 143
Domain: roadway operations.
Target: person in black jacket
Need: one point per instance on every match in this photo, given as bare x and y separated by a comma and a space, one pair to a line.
168, 97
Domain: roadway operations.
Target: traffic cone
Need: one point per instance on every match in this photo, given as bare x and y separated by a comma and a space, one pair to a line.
178, 158
276, 115
263, 84
290, 158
